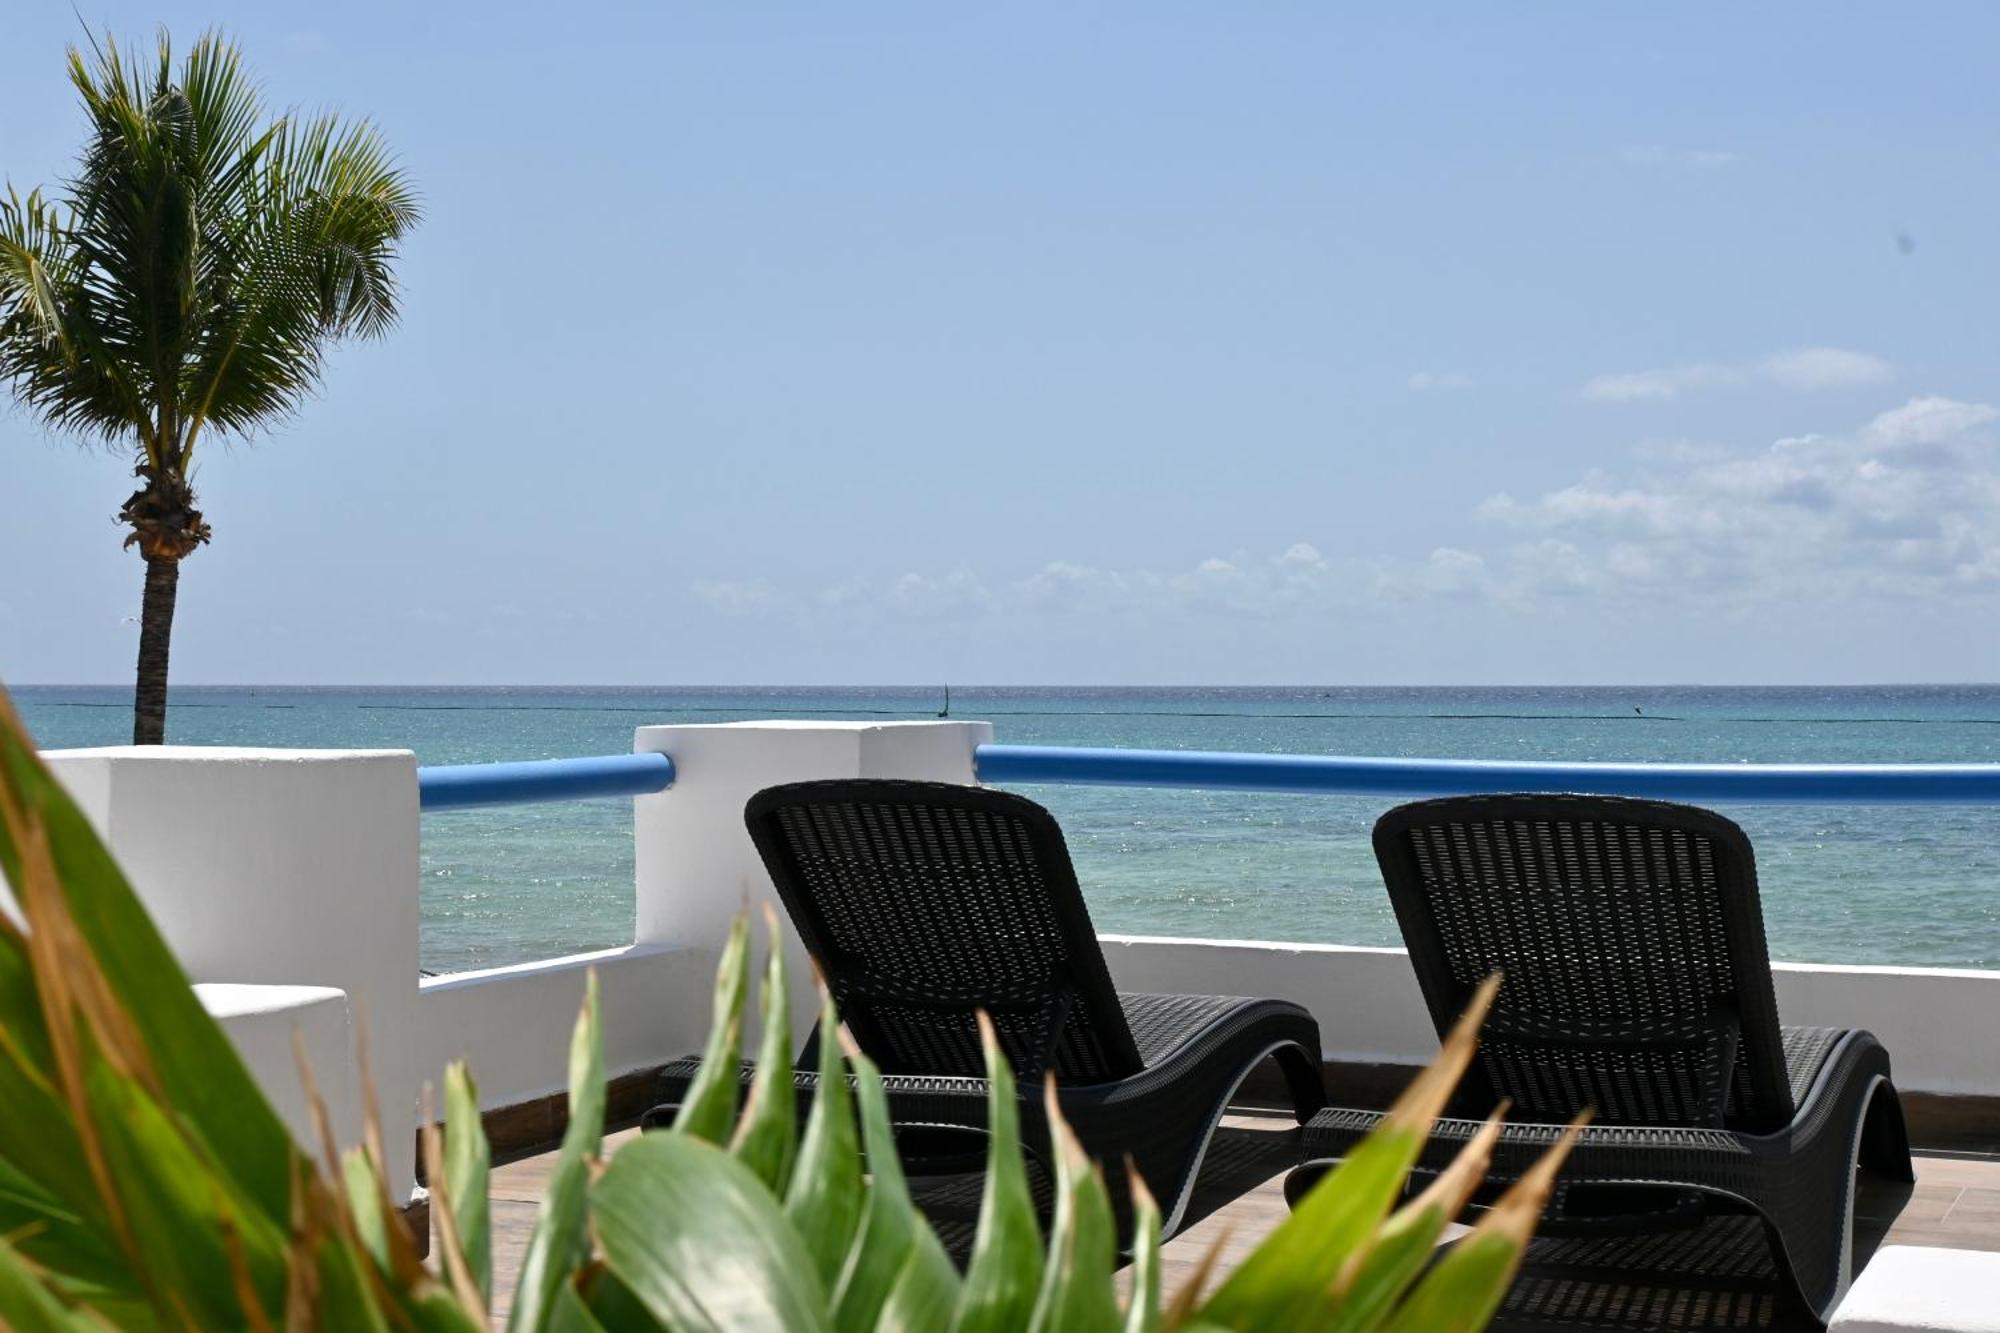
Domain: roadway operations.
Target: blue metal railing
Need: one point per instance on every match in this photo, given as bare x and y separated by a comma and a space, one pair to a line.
458, 786
1766, 784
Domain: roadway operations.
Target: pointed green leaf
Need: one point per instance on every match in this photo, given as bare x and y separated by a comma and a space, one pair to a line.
1398, 1255
51, 1236
889, 1221
611, 1304
1005, 1272
700, 1241
709, 1109
1395, 1259
1142, 1311
824, 1201
52, 1156
364, 1205
767, 1137
26, 1303
561, 1242
571, 1314
1281, 1284
345, 1299
1077, 1294
179, 1208
1462, 1290
925, 1292
468, 1164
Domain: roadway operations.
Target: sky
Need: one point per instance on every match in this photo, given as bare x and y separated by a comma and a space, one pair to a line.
1123, 343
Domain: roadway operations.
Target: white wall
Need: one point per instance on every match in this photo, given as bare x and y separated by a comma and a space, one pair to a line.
263, 1022
512, 1025
1942, 1026
695, 865
277, 867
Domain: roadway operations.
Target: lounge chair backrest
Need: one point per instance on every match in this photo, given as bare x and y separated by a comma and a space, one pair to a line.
923, 902
1632, 944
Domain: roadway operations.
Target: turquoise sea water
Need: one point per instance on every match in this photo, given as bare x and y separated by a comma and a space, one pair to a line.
1908, 885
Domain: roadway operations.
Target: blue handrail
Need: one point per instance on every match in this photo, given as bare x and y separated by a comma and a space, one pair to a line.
1766, 784
458, 786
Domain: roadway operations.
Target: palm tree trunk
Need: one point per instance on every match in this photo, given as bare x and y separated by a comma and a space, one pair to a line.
156, 632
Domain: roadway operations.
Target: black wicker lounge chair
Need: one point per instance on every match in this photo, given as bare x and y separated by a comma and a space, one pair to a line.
1636, 984
923, 903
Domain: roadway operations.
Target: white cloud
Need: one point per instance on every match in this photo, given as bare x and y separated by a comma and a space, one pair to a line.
1671, 382
1806, 368
1929, 421
1908, 505
736, 597
1439, 381
1659, 155
1300, 554
1904, 506
1824, 368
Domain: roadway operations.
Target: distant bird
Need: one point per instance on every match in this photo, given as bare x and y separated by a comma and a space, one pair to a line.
1640, 711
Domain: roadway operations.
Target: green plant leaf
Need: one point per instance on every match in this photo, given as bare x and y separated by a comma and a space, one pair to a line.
28, 1306
610, 1303
364, 1205
571, 1314
345, 1299
889, 1221
1282, 1283
1142, 1310
1077, 1294
468, 1164
51, 1235
181, 1208
709, 1109
200, 1073
925, 1292
1004, 1275
767, 1136
824, 1200
699, 1240
561, 1242
1462, 1290
44, 1178
1363, 1294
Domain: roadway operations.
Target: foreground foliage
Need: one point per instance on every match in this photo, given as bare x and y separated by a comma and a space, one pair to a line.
145, 1183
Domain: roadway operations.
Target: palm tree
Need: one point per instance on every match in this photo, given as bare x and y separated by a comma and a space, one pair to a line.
189, 283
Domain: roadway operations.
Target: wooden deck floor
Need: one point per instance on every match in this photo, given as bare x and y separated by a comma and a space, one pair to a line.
1955, 1202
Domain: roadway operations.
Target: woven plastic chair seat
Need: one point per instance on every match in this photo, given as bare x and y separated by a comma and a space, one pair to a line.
1636, 983
925, 903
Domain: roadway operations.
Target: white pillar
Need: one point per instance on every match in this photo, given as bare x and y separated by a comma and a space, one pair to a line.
695, 865
279, 867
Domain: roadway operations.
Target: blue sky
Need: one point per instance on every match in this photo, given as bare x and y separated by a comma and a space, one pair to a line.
1153, 343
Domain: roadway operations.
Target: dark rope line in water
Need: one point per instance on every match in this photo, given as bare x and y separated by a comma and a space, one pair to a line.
921, 713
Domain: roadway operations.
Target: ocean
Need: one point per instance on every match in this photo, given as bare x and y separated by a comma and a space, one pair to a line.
1900, 885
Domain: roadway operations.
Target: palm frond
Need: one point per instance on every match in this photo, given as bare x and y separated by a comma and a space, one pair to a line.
202, 258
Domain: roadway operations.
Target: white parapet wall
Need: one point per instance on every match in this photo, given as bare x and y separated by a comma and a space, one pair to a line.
278, 868
512, 1025
271, 1026
1937, 1023
696, 868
